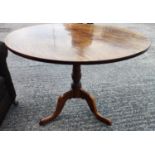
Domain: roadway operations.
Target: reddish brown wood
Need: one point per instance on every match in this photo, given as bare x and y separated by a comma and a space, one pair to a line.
75, 92
76, 76
76, 43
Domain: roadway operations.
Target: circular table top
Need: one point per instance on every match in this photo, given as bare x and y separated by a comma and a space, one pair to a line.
76, 43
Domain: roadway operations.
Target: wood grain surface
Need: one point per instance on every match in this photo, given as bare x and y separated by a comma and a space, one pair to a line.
76, 43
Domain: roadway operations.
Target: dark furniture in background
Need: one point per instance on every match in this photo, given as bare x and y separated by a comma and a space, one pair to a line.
7, 91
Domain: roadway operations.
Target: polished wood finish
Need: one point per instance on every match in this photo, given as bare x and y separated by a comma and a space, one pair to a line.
76, 43
75, 92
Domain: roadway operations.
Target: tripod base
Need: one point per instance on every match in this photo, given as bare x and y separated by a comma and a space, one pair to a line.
80, 93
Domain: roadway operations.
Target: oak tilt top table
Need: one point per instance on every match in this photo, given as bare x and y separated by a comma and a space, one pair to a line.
76, 44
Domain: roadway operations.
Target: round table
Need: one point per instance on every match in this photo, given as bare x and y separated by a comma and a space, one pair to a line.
76, 44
